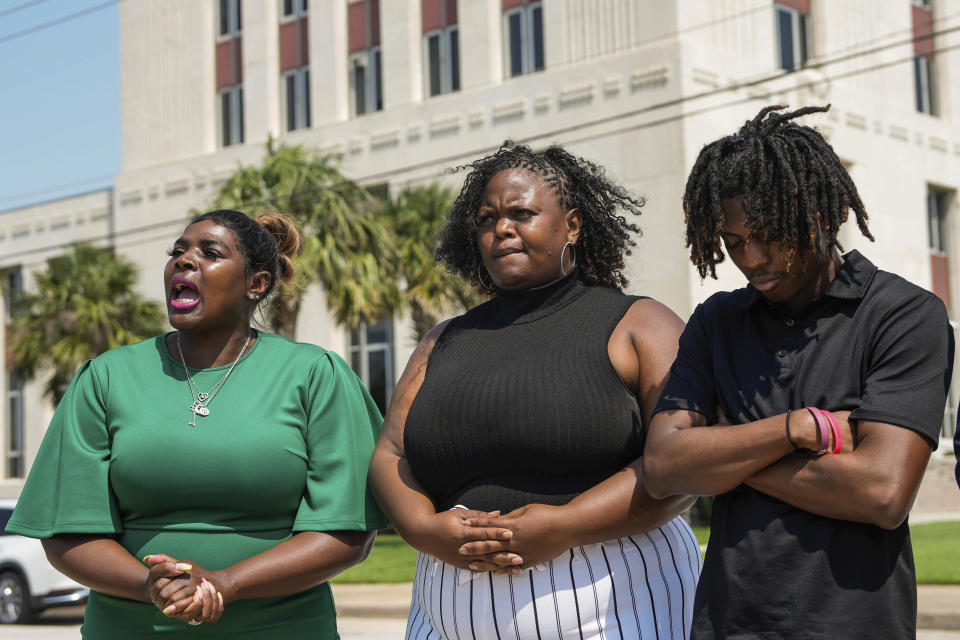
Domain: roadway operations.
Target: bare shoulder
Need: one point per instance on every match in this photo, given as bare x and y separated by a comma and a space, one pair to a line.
425, 347
650, 320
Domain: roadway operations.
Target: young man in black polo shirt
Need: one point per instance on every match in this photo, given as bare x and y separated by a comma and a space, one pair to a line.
800, 546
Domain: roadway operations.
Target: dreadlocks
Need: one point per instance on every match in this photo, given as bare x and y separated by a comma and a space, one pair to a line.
605, 234
786, 175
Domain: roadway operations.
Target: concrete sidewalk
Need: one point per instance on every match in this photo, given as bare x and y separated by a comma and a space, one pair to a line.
939, 605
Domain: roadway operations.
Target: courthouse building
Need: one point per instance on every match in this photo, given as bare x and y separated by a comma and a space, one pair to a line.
404, 89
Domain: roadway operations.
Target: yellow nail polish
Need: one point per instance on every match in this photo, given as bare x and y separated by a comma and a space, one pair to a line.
147, 558
169, 610
183, 566
220, 597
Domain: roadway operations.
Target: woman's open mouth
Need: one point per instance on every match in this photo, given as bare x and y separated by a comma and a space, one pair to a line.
183, 293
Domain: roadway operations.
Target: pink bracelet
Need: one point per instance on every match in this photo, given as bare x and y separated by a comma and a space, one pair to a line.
835, 428
823, 428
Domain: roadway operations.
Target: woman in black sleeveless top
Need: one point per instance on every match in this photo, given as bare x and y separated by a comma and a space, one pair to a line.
511, 453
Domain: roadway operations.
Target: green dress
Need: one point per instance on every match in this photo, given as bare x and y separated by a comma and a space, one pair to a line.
284, 449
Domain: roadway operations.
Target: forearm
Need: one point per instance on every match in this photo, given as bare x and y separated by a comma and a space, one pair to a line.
620, 506
100, 563
871, 484
713, 460
303, 561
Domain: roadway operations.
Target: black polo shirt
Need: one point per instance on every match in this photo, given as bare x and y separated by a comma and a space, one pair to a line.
873, 344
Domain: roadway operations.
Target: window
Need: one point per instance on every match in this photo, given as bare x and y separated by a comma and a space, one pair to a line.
231, 116
938, 206
442, 55
296, 92
371, 357
365, 64
230, 22
923, 80
938, 201
365, 83
229, 73
441, 46
14, 454
5, 513
294, 43
523, 38
793, 36
293, 8
12, 288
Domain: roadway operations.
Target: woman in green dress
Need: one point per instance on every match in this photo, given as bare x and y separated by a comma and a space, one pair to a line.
215, 475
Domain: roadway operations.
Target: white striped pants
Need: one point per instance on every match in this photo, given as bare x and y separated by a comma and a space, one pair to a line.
641, 586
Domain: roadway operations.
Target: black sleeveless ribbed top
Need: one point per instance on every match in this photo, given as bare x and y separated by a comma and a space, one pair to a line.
520, 402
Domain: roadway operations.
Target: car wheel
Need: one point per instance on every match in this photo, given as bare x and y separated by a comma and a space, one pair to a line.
15, 605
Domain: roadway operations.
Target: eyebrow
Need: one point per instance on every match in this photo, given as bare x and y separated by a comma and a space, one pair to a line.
203, 242
207, 242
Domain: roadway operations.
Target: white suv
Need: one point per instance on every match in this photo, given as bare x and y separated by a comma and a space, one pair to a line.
28, 584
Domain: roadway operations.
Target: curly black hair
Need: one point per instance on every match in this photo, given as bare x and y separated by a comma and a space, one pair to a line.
605, 233
786, 174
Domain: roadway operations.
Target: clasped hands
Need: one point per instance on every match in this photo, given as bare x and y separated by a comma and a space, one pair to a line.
183, 590
500, 543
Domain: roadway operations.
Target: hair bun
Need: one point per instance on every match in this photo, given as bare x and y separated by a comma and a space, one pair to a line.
284, 231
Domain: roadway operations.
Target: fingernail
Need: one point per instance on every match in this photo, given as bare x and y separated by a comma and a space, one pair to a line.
474, 567
493, 513
517, 560
220, 597
462, 550
147, 558
169, 610
204, 580
515, 572
182, 566
508, 534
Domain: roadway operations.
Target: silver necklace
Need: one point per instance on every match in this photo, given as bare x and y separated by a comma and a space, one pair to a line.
200, 399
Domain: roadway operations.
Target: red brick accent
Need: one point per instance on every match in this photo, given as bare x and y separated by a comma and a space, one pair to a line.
229, 62
803, 6
357, 26
374, 18
294, 46
940, 277
434, 15
922, 26
430, 17
511, 4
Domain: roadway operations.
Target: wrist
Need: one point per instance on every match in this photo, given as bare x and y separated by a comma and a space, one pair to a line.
223, 582
145, 589
568, 526
803, 427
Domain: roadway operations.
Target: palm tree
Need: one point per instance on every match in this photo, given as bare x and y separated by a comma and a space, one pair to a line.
344, 248
416, 216
84, 303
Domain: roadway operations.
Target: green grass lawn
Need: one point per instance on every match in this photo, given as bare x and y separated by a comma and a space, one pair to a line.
391, 560
936, 549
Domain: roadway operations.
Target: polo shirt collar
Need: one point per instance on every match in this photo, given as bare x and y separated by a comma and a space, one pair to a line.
852, 281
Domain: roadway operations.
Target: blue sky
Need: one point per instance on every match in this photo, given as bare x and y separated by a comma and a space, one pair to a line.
59, 99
